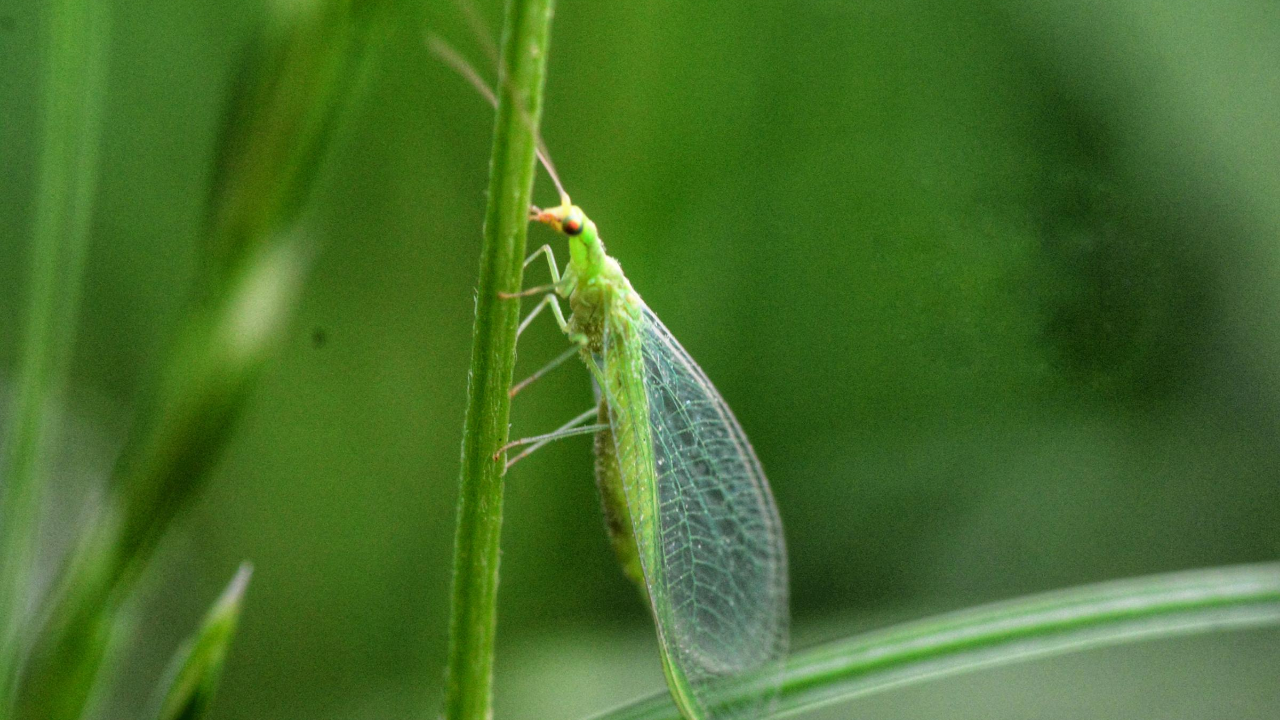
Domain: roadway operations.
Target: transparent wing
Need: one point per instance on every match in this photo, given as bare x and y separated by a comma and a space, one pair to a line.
708, 533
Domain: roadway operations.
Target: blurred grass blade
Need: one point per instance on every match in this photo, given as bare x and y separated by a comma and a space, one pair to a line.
254, 266
68, 168
292, 82
473, 610
197, 667
1033, 627
211, 375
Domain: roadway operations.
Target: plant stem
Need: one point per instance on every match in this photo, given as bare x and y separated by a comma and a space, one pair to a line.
1033, 627
469, 681
74, 82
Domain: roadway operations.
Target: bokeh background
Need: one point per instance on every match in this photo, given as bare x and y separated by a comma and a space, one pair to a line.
993, 287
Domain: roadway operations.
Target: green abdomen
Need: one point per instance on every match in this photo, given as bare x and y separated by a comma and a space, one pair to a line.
624, 454
613, 499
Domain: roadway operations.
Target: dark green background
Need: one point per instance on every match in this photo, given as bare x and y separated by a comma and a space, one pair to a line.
993, 287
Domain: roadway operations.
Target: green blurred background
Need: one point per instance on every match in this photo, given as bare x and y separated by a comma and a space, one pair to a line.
993, 287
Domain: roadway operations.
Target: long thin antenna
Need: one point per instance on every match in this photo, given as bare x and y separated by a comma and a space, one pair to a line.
453, 59
459, 64
479, 28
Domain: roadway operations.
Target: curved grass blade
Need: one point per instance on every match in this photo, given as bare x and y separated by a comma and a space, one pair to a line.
1037, 626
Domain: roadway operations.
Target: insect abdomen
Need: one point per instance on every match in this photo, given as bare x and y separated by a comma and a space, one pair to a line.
613, 499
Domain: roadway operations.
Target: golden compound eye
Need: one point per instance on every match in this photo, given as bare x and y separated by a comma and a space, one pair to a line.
572, 225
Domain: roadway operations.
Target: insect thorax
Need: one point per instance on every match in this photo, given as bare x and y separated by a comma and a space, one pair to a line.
593, 300
588, 303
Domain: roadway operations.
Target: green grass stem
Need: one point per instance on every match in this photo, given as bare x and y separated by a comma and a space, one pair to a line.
473, 621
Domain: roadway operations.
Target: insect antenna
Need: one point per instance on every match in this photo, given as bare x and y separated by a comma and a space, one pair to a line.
479, 29
459, 64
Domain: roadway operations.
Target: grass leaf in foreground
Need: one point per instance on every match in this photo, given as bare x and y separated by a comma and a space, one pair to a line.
1056, 623
74, 86
197, 667
254, 261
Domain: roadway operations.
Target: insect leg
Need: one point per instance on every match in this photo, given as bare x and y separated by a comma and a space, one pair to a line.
548, 299
602, 383
569, 429
551, 262
560, 360
528, 292
555, 275
578, 340
553, 301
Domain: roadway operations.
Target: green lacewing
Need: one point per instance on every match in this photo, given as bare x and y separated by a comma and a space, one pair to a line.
689, 510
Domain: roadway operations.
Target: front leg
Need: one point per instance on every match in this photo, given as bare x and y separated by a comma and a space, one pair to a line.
549, 300
556, 279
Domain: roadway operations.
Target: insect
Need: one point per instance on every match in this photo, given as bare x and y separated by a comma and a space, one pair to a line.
689, 511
